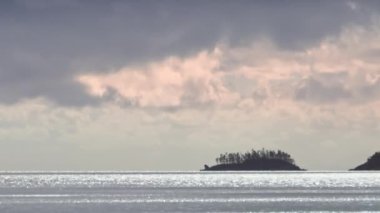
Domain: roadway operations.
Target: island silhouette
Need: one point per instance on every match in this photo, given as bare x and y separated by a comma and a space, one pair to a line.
373, 163
259, 160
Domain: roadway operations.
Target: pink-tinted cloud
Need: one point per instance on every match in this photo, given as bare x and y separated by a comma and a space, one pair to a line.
169, 83
340, 69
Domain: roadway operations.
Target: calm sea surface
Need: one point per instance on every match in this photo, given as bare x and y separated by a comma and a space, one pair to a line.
189, 191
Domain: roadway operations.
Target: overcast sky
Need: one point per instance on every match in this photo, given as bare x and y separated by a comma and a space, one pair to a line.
168, 85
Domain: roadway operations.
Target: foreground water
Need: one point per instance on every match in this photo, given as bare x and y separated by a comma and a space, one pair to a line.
189, 191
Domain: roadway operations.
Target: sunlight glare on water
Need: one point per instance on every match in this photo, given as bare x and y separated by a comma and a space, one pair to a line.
189, 191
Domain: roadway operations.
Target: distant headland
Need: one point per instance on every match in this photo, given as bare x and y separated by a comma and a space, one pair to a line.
373, 163
255, 160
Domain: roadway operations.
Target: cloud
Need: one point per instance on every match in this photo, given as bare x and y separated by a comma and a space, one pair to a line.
37, 135
173, 82
46, 44
340, 68
314, 91
353, 5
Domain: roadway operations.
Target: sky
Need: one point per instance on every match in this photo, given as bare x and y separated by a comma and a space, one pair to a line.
169, 85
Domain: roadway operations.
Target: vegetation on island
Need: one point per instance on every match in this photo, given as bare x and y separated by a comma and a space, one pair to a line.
254, 160
373, 163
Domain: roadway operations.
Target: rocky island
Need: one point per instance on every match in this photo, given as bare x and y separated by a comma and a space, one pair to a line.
373, 163
259, 160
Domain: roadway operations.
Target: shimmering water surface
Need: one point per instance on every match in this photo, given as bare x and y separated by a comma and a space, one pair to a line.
189, 191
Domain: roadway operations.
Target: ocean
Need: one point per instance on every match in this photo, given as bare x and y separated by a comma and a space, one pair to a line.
110, 192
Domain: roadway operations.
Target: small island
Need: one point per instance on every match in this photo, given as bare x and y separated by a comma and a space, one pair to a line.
258, 160
373, 163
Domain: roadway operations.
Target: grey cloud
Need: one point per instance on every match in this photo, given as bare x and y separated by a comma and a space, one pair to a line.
370, 91
333, 87
44, 44
313, 90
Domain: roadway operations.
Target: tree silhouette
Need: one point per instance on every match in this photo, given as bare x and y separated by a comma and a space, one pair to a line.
263, 154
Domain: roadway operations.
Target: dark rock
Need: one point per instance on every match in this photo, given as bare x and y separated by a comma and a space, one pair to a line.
373, 163
258, 165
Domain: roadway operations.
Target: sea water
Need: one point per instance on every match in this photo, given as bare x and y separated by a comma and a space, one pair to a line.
189, 191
